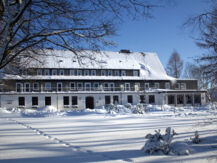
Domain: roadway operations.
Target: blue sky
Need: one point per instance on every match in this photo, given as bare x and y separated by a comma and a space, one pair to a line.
164, 32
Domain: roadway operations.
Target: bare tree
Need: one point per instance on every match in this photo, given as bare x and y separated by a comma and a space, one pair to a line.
174, 65
29, 26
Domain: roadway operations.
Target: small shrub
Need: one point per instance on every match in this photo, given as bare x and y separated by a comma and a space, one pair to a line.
196, 139
113, 108
139, 109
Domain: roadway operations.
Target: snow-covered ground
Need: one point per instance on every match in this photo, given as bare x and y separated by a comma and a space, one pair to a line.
48, 135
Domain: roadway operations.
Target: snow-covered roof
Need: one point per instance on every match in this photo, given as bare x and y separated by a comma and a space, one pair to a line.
148, 63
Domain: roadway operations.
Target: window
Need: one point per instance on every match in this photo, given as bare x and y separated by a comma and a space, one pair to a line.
19, 87
35, 86
96, 86
59, 87
103, 73
183, 86
72, 86
188, 99
130, 99
80, 86
72, 72
111, 86
47, 86
61, 72
34, 101
115, 100
109, 72
142, 98
156, 85
86, 72
180, 99
54, 72
146, 86
135, 73
177, 85
123, 73
74, 100
87, 86
66, 100
79, 72
21, 101
27, 87
151, 99
197, 99
39, 72
167, 85
116, 73
106, 86
127, 86
47, 72
47, 101
107, 100
171, 99
93, 72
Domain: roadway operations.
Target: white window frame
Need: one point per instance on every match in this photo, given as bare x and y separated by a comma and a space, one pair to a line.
54, 72
103, 73
93, 72
183, 86
146, 86
47, 86
94, 85
135, 73
127, 86
39, 72
46, 72
60, 87
110, 73
117, 73
87, 88
86, 73
79, 88
34, 88
137, 86
72, 88
111, 86
167, 85
26, 87
177, 84
21, 87
72, 72
156, 85
61, 72
123, 73
79, 72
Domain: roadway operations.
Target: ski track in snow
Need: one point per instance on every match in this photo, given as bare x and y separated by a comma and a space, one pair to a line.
61, 142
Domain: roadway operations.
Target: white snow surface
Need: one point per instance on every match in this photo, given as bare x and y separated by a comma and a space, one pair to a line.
148, 63
48, 135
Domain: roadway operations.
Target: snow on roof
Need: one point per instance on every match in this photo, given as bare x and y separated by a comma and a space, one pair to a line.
148, 63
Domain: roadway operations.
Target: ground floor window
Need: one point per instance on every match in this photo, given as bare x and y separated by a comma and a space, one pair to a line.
65, 100
130, 99
115, 99
74, 100
142, 99
197, 99
180, 99
151, 99
47, 101
21, 101
34, 101
107, 100
188, 99
171, 99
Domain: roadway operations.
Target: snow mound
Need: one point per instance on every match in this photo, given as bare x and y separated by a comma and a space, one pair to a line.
179, 148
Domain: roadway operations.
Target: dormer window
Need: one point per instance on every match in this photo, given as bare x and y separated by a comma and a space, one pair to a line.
135, 73
86, 72
72, 72
156, 85
116, 73
47, 72
177, 85
39, 72
93, 72
79, 72
54, 72
109, 72
61, 72
123, 73
167, 85
103, 73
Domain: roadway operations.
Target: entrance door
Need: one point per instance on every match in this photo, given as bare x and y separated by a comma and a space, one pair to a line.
90, 102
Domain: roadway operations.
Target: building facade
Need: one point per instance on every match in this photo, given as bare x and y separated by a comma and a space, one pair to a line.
65, 81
